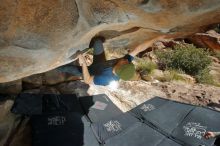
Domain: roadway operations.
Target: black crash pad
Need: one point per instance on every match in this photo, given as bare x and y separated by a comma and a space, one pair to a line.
184, 123
193, 127
36, 104
168, 142
28, 104
70, 129
168, 116
54, 103
99, 107
164, 114
145, 108
140, 134
109, 128
94, 120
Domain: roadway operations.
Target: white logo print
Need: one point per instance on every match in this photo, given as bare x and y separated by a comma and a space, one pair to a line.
113, 126
57, 120
147, 107
194, 130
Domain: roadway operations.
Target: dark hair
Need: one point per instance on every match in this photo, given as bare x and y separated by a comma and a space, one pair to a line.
96, 38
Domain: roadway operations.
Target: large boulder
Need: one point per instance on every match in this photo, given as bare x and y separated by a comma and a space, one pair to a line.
14, 87
37, 36
8, 122
210, 39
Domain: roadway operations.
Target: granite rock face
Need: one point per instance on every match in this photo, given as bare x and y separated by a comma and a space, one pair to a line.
37, 36
210, 39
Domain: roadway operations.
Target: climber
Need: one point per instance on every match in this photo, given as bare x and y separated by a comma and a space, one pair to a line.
102, 72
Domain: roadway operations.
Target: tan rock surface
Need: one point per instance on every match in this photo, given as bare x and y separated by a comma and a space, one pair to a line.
210, 40
215, 71
13, 87
22, 136
8, 121
130, 94
37, 36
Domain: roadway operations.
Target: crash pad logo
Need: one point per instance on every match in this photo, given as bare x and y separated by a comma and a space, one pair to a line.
194, 130
113, 126
147, 107
57, 120
99, 105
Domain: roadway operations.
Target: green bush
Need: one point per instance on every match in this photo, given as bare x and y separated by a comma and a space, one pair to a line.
164, 58
145, 66
173, 75
185, 58
204, 77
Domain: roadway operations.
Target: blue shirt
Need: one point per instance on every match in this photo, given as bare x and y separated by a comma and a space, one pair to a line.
107, 74
106, 77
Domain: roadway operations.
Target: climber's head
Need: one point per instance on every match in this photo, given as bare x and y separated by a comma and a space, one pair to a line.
124, 69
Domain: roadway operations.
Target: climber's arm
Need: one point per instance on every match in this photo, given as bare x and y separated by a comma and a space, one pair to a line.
146, 44
88, 79
217, 134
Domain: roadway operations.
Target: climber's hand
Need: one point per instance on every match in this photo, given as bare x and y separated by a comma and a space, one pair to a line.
81, 59
209, 135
